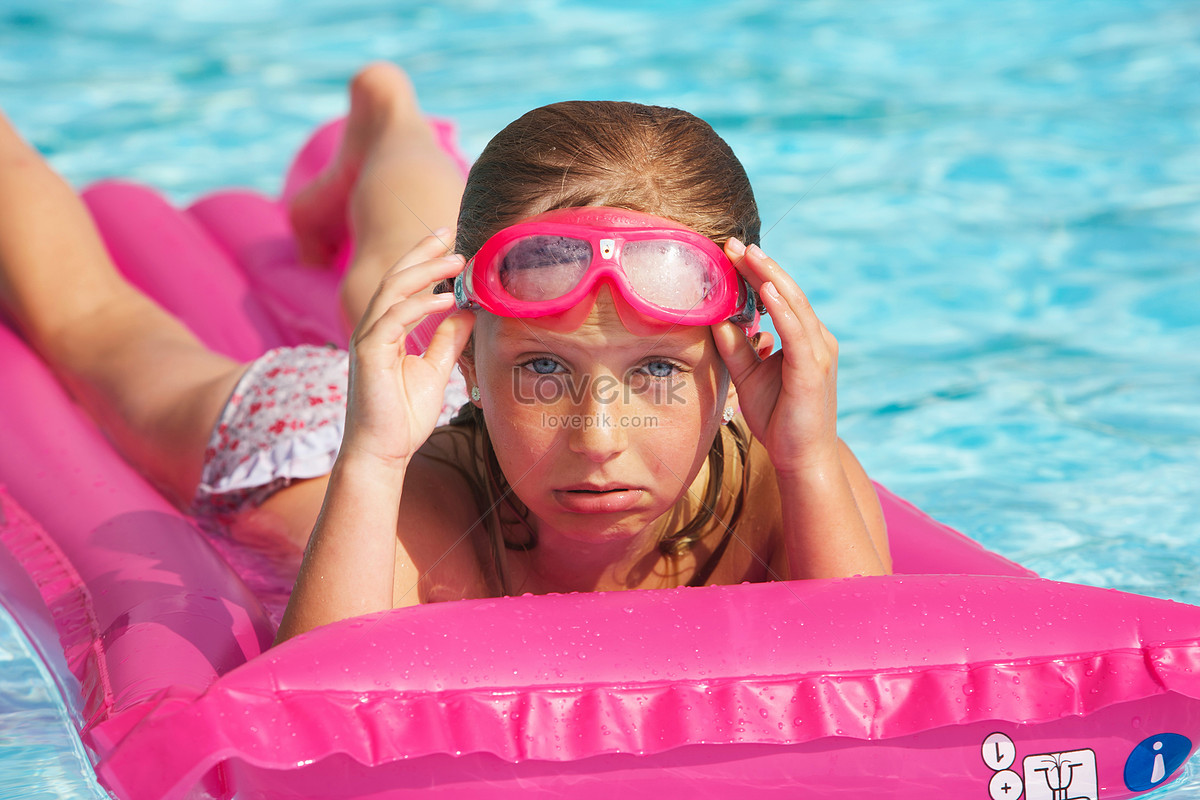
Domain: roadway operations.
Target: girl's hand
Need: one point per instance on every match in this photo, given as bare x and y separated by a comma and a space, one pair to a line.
394, 397
832, 525
788, 398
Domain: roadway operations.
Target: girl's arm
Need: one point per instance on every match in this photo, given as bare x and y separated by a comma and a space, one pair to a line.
350, 565
832, 524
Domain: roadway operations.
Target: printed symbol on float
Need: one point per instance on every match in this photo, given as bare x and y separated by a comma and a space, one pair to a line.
999, 753
1005, 785
1070, 775
1155, 759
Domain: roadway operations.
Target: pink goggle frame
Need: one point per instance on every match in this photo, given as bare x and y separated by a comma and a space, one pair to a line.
549, 263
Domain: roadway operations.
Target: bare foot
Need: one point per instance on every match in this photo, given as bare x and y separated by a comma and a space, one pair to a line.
382, 103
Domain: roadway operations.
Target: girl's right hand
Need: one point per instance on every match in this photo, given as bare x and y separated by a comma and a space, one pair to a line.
394, 397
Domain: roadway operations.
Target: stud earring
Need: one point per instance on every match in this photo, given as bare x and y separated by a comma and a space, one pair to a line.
727, 417
475, 393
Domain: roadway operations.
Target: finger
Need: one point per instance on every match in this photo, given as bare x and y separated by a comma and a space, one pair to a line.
392, 326
829, 338
396, 286
831, 347
754, 265
737, 351
797, 343
430, 248
449, 340
797, 302
762, 272
763, 343
736, 252
759, 268
438, 243
758, 265
419, 277
445, 236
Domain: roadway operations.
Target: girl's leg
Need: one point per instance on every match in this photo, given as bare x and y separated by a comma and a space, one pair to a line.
153, 388
391, 182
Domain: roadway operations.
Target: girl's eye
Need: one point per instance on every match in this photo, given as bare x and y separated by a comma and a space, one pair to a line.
660, 369
543, 366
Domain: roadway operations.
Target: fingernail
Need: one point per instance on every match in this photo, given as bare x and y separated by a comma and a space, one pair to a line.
735, 244
440, 232
755, 250
770, 290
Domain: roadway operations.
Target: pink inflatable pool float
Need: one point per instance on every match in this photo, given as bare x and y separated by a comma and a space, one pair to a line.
962, 675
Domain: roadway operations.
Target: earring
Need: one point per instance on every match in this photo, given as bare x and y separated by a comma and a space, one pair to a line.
727, 417
475, 393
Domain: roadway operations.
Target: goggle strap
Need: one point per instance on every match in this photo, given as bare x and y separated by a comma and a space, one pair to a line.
461, 300
749, 308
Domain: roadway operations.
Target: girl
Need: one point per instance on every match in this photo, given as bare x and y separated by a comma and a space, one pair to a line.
602, 448
601, 337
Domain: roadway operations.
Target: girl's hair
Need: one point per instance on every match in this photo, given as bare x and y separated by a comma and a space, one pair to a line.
652, 159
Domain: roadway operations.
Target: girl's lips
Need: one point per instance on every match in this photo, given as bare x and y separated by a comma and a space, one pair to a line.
598, 501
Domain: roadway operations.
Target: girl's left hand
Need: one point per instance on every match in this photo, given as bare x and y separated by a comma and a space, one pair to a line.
788, 398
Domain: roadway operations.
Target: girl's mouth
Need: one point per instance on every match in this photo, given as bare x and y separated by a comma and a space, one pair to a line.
598, 499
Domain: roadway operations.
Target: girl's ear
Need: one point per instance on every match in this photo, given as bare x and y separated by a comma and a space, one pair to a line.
736, 345
763, 343
731, 401
466, 363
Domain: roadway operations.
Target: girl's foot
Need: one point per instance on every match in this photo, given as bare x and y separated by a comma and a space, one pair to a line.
382, 103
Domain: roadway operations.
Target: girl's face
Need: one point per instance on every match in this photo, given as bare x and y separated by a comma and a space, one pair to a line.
599, 427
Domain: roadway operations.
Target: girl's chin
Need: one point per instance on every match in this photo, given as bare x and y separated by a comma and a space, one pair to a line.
594, 528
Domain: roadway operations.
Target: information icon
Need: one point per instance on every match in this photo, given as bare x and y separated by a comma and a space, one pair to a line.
1155, 759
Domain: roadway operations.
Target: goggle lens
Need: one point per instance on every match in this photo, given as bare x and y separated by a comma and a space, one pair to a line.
668, 274
544, 267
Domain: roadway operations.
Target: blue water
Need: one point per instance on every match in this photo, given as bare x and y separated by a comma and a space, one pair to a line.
994, 206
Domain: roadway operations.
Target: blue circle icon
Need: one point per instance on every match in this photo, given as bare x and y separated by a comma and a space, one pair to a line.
1155, 759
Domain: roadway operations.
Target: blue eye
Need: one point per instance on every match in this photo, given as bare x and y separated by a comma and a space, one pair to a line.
543, 366
660, 369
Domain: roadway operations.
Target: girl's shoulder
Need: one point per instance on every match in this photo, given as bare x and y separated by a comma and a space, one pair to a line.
439, 517
762, 517
454, 455
747, 520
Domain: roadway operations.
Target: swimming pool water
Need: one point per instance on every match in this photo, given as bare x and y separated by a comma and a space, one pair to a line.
995, 207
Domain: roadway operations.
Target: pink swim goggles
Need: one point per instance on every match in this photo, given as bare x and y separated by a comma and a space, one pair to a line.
549, 263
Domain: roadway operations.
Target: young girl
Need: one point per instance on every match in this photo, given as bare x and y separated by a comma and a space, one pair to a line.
602, 448
623, 430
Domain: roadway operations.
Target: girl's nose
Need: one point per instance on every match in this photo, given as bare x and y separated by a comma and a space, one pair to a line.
597, 429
